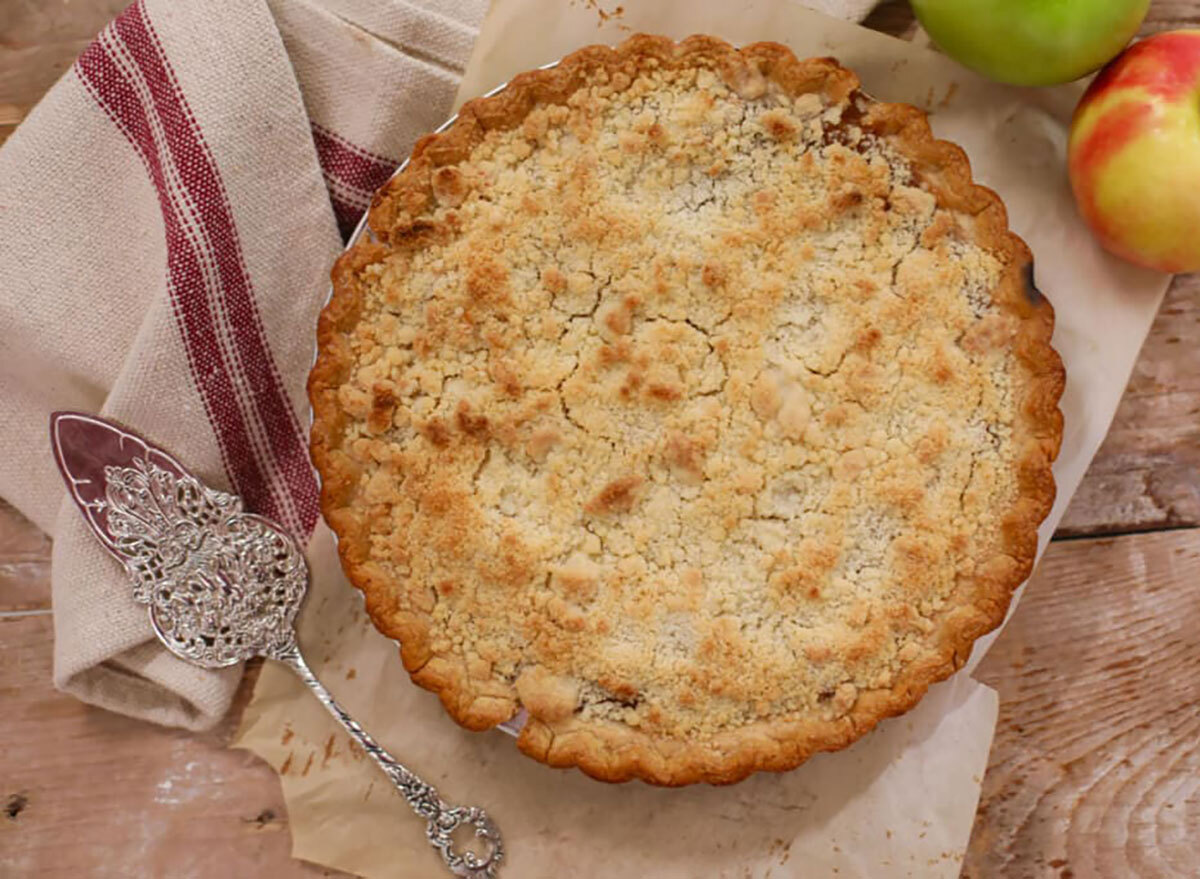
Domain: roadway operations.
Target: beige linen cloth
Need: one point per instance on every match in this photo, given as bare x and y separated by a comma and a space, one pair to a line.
168, 216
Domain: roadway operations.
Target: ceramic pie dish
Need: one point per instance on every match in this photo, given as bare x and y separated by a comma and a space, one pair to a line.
690, 401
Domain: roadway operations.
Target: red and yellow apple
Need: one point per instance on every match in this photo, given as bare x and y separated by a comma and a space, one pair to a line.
1031, 42
1134, 153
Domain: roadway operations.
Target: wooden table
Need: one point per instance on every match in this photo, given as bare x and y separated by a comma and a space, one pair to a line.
1095, 770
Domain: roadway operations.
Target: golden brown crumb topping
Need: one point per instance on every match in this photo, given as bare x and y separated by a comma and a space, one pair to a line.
688, 404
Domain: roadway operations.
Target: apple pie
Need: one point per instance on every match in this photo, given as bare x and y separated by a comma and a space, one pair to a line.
690, 400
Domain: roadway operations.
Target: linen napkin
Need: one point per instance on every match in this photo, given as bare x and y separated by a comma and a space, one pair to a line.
168, 216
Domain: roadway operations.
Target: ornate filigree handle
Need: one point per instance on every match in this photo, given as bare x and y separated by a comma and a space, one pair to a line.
441, 819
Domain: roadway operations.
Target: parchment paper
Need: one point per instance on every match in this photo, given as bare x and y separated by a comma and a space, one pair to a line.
900, 802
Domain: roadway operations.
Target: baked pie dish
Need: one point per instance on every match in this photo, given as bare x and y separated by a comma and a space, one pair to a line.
692, 401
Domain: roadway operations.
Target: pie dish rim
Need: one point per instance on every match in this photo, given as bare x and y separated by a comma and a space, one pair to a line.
614, 752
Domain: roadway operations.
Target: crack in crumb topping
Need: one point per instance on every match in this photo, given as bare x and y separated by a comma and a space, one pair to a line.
685, 404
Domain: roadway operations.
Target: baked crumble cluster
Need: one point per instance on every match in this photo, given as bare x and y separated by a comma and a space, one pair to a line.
690, 400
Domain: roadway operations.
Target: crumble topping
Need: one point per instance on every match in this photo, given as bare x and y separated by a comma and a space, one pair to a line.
684, 405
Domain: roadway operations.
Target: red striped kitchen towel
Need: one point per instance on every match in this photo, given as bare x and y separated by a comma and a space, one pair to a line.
168, 217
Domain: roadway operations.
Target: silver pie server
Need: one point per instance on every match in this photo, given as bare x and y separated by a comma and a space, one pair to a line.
223, 585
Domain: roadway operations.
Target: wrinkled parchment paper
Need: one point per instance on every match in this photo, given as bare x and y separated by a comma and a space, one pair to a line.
898, 803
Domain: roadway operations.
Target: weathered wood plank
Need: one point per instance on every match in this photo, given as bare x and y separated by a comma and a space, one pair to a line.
1147, 473
36, 22
27, 73
38, 42
87, 793
24, 563
893, 17
1095, 769
1171, 14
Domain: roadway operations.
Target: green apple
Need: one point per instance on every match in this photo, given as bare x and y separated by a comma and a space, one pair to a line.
1031, 42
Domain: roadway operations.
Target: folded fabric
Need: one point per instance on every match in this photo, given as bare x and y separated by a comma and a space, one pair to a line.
168, 217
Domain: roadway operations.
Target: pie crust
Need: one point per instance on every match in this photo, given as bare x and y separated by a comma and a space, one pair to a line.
691, 400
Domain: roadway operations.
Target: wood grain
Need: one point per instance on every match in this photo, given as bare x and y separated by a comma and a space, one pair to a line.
1145, 474
86, 793
1170, 14
893, 17
38, 42
1095, 769
24, 564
